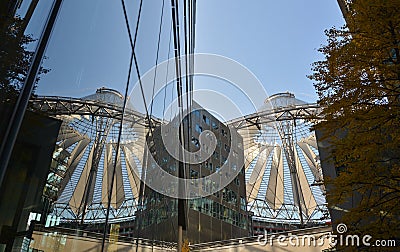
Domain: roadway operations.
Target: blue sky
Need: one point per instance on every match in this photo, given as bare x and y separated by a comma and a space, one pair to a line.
276, 40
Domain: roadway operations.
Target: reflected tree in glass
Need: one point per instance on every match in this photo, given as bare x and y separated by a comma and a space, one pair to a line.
15, 58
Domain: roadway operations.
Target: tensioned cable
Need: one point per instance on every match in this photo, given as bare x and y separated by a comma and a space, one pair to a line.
191, 47
165, 96
188, 94
123, 110
296, 190
186, 55
280, 177
91, 183
136, 64
133, 55
157, 55
166, 76
155, 74
133, 45
175, 19
172, 98
116, 156
303, 170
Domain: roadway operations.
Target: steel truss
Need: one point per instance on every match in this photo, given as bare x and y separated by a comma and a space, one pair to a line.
84, 156
288, 213
282, 162
309, 112
267, 199
57, 105
97, 212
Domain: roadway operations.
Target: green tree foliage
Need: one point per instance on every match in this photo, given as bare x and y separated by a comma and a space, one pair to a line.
15, 59
358, 84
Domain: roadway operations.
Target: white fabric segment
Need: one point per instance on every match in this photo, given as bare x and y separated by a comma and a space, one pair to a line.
118, 192
254, 183
133, 174
307, 200
274, 195
77, 197
73, 162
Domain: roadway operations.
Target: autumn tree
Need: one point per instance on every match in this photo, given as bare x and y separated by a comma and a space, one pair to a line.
358, 84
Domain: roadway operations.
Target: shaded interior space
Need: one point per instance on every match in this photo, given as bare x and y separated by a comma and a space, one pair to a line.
22, 190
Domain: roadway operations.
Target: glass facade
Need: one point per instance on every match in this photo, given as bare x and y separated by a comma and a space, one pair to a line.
214, 209
75, 118
224, 207
88, 48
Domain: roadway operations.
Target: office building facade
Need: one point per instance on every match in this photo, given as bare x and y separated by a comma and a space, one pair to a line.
220, 215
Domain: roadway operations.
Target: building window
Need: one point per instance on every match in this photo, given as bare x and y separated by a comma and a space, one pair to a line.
196, 113
209, 165
214, 125
194, 175
215, 209
198, 128
229, 196
219, 144
206, 119
227, 148
195, 142
237, 181
234, 167
223, 132
242, 203
206, 185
